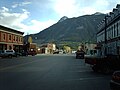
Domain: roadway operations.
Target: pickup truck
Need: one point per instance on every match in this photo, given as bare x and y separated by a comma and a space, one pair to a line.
7, 53
104, 64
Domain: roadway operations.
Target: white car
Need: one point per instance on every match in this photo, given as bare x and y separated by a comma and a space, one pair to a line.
7, 53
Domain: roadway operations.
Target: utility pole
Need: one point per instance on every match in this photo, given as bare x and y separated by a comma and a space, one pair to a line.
105, 51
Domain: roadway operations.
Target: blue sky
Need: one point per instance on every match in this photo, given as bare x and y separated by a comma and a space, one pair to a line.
32, 16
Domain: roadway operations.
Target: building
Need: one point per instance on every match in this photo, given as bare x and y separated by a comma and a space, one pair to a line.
67, 49
48, 48
91, 48
108, 37
10, 39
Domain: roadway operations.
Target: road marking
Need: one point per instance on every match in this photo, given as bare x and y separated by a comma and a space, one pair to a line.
81, 79
82, 71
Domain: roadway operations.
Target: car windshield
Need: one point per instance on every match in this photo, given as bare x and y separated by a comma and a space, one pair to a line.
9, 51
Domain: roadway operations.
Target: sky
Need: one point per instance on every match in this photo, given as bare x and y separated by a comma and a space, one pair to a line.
33, 16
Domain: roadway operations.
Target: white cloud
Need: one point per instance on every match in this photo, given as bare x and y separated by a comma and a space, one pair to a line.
15, 21
74, 8
66, 8
12, 19
21, 4
37, 26
4, 9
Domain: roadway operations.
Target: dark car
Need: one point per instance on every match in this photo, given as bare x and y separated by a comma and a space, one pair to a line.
80, 54
115, 82
24, 53
33, 53
18, 54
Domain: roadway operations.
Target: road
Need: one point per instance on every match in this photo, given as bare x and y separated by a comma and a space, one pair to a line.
50, 72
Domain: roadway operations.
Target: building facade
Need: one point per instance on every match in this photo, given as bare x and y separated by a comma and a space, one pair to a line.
108, 37
10, 39
48, 48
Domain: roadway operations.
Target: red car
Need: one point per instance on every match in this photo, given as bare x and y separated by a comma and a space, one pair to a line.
115, 82
33, 53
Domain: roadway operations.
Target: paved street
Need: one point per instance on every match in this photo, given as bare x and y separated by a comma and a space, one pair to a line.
50, 72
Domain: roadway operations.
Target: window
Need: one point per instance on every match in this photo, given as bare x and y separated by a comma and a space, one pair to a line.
10, 37
117, 29
10, 47
13, 38
114, 31
4, 36
16, 38
21, 39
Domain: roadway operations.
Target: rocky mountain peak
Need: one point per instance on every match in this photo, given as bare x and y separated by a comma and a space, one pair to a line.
63, 18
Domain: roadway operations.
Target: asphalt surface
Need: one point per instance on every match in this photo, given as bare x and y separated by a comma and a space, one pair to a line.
50, 72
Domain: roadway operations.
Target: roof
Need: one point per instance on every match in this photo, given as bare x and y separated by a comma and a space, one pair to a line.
11, 30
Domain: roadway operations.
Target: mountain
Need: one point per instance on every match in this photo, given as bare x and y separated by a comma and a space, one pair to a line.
70, 30
63, 19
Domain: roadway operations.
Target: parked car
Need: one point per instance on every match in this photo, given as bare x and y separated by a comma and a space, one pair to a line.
0, 52
104, 64
80, 54
33, 53
18, 54
7, 53
115, 82
24, 53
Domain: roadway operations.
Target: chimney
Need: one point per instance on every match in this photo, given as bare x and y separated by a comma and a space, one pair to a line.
111, 13
118, 6
114, 10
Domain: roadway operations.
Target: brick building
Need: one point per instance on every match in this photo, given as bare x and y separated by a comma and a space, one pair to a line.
10, 39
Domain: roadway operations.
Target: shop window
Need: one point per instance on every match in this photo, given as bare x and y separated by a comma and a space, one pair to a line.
10, 47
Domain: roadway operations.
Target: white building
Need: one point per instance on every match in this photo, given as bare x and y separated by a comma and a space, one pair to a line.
108, 37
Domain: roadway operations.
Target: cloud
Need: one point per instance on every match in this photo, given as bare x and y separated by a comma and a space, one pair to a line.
21, 4
66, 8
74, 8
15, 21
37, 26
11, 19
